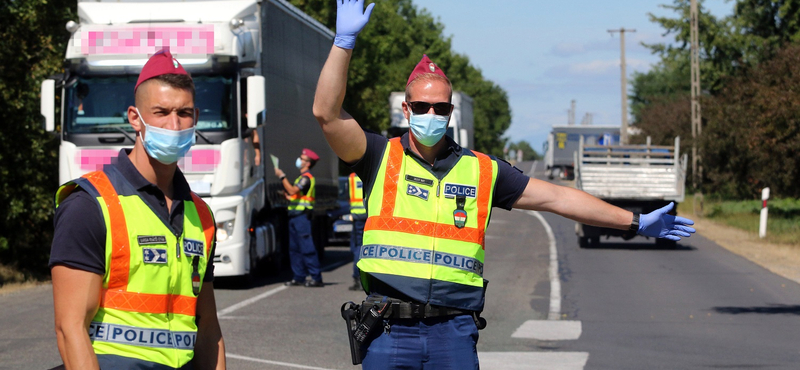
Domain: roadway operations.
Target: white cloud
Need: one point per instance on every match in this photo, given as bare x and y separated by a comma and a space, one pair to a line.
603, 67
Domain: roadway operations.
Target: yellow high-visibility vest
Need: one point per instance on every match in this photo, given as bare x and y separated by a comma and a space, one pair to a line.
152, 276
302, 202
424, 237
356, 195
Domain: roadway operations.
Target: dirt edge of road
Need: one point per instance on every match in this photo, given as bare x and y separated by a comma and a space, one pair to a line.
781, 259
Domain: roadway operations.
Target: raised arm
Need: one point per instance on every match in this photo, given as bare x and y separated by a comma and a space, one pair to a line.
582, 207
342, 132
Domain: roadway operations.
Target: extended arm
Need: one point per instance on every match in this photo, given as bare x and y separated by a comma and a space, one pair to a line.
582, 207
342, 132
573, 204
76, 297
209, 352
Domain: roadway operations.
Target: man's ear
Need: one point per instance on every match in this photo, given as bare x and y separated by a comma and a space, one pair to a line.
134, 119
196, 115
406, 112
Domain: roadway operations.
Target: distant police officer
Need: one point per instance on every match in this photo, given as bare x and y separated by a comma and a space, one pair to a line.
429, 202
131, 258
301, 194
358, 214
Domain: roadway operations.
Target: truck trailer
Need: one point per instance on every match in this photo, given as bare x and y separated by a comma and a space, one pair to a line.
563, 142
639, 178
255, 65
460, 128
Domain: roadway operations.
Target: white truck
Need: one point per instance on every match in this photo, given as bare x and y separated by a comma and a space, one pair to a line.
563, 142
461, 126
639, 178
255, 65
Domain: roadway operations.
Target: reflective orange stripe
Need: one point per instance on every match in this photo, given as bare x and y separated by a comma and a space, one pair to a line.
206, 221
353, 197
120, 249
391, 177
387, 222
307, 198
425, 228
148, 303
484, 190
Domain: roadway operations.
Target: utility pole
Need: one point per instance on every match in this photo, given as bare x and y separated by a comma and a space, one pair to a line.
697, 172
571, 120
624, 129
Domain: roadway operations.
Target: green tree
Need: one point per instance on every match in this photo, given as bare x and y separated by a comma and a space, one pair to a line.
32, 44
752, 136
528, 154
387, 50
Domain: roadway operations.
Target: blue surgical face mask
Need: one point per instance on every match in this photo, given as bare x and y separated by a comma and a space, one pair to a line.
298, 163
428, 128
166, 146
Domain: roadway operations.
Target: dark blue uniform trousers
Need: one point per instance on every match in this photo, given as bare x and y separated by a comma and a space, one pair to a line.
302, 254
425, 344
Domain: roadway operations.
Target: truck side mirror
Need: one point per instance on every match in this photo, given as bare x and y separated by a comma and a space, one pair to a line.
48, 104
256, 100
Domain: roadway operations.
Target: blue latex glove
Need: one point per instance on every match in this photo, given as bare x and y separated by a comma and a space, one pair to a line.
350, 20
661, 225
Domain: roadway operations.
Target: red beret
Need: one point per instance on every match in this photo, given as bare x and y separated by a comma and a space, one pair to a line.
310, 154
160, 63
424, 66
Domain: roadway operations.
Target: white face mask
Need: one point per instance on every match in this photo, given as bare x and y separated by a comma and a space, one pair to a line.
428, 128
166, 146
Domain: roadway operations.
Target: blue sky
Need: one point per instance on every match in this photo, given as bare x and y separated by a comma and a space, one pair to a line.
546, 53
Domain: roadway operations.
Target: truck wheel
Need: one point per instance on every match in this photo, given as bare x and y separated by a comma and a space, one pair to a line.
583, 241
666, 243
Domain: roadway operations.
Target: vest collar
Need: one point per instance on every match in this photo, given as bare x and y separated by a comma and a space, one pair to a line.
180, 187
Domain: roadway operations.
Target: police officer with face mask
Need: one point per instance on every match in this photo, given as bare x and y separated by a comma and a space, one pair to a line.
132, 253
429, 202
303, 255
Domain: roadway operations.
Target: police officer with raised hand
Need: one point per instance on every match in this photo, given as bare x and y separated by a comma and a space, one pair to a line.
428, 204
132, 254
301, 194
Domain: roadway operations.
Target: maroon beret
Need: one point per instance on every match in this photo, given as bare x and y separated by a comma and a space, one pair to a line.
424, 66
310, 154
160, 63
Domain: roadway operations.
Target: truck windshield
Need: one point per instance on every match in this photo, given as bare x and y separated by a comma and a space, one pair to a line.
100, 104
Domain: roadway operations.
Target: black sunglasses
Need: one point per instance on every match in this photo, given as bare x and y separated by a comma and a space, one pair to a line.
422, 107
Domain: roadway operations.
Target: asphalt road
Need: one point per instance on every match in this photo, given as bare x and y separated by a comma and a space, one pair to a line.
625, 305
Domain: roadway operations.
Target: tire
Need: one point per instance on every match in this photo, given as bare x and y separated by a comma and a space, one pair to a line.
587, 242
583, 242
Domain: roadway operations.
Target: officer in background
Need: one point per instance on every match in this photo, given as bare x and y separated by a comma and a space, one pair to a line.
429, 202
358, 215
132, 253
302, 253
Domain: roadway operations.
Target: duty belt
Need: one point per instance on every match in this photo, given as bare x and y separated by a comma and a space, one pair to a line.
411, 310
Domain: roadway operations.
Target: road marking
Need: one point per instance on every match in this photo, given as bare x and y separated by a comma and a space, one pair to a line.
533, 168
555, 281
251, 359
249, 301
533, 360
268, 293
549, 330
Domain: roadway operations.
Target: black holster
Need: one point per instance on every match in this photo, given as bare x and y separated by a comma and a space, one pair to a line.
361, 321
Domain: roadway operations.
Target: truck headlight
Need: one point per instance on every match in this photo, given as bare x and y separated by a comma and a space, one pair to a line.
224, 230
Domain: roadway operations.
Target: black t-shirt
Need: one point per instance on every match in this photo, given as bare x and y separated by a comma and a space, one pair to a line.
509, 185
79, 240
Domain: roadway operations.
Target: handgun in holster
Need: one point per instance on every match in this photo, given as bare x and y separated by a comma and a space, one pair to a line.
361, 322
